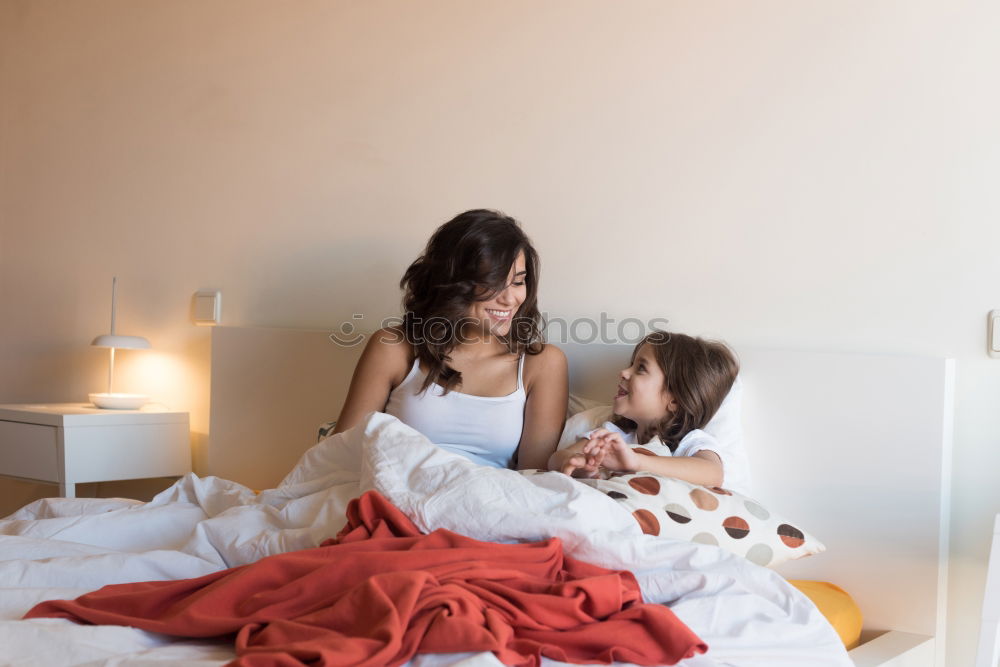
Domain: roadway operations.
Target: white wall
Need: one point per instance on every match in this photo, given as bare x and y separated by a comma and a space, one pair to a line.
812, 174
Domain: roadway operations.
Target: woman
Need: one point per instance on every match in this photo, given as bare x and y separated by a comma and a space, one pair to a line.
467, 367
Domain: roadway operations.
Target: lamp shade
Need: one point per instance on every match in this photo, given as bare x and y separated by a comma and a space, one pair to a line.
121, 342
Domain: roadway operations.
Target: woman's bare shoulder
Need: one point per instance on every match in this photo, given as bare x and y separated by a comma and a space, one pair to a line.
551, 360
388, 349
391, 340
549, 354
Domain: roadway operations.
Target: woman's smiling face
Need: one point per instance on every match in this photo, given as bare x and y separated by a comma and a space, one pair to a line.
642, 392
496, 314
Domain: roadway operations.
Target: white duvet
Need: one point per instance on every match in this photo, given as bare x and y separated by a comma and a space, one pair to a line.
61, 548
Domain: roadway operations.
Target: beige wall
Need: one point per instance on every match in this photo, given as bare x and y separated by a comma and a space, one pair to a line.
811, 174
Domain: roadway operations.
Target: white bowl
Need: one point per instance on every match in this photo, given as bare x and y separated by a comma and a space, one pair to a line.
118, 401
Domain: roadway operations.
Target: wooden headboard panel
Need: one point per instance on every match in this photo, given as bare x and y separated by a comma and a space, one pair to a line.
856, 448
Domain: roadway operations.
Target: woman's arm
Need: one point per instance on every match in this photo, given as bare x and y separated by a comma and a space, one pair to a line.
547, 385
558, 458
382, 366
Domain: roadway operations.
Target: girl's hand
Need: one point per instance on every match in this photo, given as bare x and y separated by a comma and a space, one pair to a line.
616, 455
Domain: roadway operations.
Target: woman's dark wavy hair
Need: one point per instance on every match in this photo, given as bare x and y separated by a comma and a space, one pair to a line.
699, 373
467, 259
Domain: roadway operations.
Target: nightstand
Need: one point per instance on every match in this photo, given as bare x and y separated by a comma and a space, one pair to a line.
72, 443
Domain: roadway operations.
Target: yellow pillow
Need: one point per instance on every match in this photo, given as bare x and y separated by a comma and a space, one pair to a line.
838, 607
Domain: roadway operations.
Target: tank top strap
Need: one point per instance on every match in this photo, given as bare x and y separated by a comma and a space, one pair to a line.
520, 373
414, 372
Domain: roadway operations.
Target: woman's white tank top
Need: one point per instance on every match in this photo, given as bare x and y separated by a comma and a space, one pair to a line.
485, 429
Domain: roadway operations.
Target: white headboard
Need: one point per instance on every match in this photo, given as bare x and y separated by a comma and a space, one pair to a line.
856, 448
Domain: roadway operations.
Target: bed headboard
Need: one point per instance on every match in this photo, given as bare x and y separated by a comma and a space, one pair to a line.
856, 448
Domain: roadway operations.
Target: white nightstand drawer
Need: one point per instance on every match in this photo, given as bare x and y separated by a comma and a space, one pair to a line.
29, 450
131, 451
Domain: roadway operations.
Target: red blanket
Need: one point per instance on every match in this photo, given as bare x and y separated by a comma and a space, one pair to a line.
381, 592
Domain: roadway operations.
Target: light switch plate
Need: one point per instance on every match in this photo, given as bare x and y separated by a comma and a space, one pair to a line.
206, 307
993, 334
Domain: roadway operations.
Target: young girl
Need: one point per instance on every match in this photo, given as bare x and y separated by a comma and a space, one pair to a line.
673, 386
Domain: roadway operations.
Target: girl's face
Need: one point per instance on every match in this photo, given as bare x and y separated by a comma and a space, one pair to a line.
642, 390
496, 313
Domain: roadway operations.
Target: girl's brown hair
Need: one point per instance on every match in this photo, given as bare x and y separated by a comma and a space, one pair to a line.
699, 373
467, 259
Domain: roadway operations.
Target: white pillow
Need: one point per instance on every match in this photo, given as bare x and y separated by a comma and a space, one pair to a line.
725, 424
578, 404
584, 421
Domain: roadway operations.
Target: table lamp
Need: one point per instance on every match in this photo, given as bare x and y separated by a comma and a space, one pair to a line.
111, 400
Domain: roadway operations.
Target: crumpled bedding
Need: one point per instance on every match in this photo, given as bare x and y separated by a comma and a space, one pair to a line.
381, 592
62, 548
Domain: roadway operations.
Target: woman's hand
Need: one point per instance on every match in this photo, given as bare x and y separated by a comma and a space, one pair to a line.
614, 453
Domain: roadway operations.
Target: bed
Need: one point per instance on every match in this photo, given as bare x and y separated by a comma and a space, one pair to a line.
988, 652
860, 457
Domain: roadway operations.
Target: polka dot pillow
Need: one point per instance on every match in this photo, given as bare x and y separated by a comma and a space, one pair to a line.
685, 511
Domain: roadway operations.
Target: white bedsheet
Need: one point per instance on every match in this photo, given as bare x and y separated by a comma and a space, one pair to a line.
61, 548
